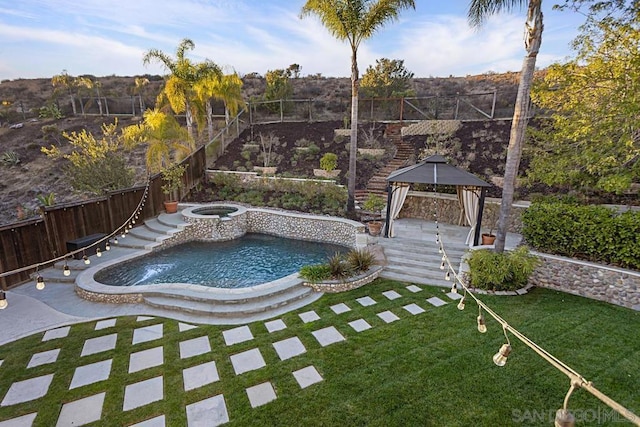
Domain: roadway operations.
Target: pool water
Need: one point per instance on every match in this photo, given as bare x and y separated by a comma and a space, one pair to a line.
248, 261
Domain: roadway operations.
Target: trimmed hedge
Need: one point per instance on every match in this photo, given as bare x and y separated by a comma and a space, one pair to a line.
592, 233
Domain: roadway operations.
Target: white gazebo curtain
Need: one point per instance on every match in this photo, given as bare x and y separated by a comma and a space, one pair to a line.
471, 203
398, 195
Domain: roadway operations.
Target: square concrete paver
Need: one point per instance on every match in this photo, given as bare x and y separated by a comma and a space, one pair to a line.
146, 359
99, 344
105, 324
142, 393
246, 361
392, 295
309, 316
92, 373
143, 318
366, 301
327, 336
24, 391
237, 335
43, 358
148, 333
414, 309
261, 394
340, 308
185, 327
388, 316
275, 325
194, 347
23, 421
56, 333
209, 412
360, 325
81, 411
435, 301
454, 295
200, 375
414, 288
289, 348
307, 376
153, 422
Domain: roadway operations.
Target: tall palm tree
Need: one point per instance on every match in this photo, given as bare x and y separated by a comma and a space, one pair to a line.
178, 88
227, 89
479, 10
354, 21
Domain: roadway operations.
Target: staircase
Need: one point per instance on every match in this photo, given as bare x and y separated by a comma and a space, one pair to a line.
413, 255
404, 151
208, 305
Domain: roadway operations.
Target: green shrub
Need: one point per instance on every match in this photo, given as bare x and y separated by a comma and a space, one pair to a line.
329, 162
10, 158
360, 260
506, 271
50, 111
315, 273
593, 233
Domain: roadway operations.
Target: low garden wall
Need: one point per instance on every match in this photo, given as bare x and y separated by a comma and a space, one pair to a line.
614, 285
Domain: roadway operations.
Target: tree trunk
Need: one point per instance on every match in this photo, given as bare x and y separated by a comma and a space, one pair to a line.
141, 104
209, 120
73, 104
533, 39
189, 118
353, 146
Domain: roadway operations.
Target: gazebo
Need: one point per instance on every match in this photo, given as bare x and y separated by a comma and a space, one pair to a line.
435, 170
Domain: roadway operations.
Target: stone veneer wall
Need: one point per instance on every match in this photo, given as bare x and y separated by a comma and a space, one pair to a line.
266, 221
420, 205
335, 286
614, 285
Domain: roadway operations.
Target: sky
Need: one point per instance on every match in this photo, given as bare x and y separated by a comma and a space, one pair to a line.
41, 38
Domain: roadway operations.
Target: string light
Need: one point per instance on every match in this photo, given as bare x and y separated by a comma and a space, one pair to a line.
115, 240
448, 277
98, 252
107, 246
454, 288
461, 303
39, 283
86, 259
122, 235
442, 266
3, 300
482, 327
66, 270
500, 358
564, 418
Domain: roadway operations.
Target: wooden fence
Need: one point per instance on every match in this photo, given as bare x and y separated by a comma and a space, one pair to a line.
38, 241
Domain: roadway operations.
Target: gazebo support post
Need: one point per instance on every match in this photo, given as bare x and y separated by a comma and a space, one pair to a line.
386, 224
476, 237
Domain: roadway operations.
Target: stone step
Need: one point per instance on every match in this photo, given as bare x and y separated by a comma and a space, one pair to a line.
172, 220
155, 225
432, 259
415, 279
135, 243
220, 308
145, 233
418, 271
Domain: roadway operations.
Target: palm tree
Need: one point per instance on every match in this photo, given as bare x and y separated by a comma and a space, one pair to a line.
354, 21
178, 89
227, 89
479, 10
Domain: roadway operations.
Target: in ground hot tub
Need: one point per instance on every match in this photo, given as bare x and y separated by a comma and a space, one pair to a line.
216, 222
217, 210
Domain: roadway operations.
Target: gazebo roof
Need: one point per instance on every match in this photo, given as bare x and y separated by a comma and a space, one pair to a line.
436, 170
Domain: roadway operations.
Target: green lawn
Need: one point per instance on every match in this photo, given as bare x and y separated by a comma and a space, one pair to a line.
432, 369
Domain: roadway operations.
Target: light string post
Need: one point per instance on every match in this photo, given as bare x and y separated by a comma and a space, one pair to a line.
66, 270
563, 418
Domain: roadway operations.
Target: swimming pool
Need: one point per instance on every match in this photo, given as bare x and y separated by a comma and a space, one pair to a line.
244, 262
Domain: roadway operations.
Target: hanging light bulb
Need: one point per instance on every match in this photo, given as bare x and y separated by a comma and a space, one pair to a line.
500, 358
39, 283
454, 288
448, 277
440, 250
442, 266
564, 418
3, 301
86, 259
98, 252
437, 237
122, 235
133, 221
461, 304
107, 246
66, 270
115, 240
482, 327
444, 257
130, 226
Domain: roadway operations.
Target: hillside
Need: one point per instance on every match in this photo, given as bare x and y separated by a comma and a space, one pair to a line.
36, 174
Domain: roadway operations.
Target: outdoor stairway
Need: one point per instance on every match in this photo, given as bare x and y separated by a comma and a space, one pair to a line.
414, 256
404, 151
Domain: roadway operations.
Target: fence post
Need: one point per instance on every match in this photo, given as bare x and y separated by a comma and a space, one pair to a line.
281, 110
